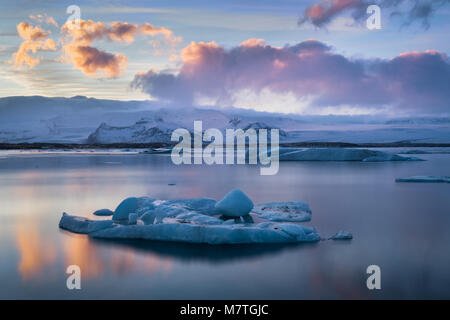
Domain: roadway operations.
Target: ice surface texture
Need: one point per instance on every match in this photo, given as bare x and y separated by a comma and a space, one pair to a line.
293, 211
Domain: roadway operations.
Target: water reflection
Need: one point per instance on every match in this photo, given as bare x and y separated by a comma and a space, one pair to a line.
36, 253
94, 259
215, 254
79, 251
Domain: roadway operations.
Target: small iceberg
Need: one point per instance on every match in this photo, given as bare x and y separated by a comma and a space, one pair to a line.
83, 225
201, 220
103, 212
126, 207
292, 211
416, 151
156, 151
234, 204
192, 231
339, 154
342, 235
441, 179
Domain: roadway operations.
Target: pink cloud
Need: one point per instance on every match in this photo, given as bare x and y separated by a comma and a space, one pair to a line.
35, 39
309, 69
92, 61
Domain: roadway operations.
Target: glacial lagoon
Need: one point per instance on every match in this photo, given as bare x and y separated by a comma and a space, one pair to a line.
402, 227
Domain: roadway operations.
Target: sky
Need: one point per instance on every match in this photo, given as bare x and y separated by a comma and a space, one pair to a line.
303, 56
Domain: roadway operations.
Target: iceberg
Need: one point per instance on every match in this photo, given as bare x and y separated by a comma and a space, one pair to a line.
210, 234
342, 235
234, 204
192, 232
83, 225
103, 212
156, 151
126, 207
198, 220
339, 154
416, 151
292, 211
444, 179
131, 205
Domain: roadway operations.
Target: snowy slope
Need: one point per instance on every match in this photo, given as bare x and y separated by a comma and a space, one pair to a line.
81, 120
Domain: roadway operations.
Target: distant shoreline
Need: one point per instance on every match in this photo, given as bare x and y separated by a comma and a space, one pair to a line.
45, 146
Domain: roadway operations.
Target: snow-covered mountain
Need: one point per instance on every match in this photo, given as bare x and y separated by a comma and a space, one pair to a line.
137, 133
86, 120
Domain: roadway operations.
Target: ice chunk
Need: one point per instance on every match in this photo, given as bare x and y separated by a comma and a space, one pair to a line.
126, 207
247, 219
291, 211
148, 217
156, 151
296, 230
132, 218
390, 157
199, 219
234, 204
201, 205
342, 235
340, 154
83, 225
416, 152
228, 222
424, 179
211, 234
103, 212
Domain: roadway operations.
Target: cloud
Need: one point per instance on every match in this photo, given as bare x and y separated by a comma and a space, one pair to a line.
43, 18
35, 39
76, 43
78, 48
28, 32
21, 57
92, 61
309, 70
90, 31
322, 13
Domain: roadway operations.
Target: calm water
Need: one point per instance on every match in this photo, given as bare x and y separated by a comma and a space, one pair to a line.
403, 228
